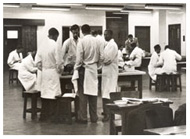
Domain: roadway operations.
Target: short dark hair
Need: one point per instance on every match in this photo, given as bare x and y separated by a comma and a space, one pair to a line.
130, 36
74, 27
167, 46
53, 32
85, 29
99, 32
156, 47
109, 31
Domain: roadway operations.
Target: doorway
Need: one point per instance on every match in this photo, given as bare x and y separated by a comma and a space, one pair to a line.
12, 37
143, 35
175, 37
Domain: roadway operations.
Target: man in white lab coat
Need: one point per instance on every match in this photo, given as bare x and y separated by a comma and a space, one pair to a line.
153, 67
48, 61
128, 43
136, 56
86, 63
27, 72
109, 71
69, 49
168, 61
15, 58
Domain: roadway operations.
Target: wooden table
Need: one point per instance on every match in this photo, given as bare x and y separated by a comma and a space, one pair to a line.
172, 130
122, 77
124, 110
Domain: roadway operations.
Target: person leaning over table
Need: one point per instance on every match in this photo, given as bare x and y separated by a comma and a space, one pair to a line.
109, 71
27, 72
87, 58
69, 49
48, 61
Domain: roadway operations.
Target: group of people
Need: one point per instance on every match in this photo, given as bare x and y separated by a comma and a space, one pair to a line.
82, 57
164, 62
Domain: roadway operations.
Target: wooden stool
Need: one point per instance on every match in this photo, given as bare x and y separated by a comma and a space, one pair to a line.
34, 95
64, 109
13, 75
168, 82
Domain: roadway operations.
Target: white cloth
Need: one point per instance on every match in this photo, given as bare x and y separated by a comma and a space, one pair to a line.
110, 72
88, 55
26, 73
136, 56
14, 56
152, 67
48, 56
69, 50
168, 60
74, 80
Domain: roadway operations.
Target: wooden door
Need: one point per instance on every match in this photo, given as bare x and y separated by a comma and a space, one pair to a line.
12, 36
143, 35
174, 33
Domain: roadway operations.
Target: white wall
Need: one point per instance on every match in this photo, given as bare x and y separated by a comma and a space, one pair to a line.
57, 19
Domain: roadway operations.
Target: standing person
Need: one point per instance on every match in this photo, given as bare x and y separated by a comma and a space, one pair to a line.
152, 67
86, 64
109, 71
128, 43
15, 58
48, 62
27, 72
69, 49
168, 61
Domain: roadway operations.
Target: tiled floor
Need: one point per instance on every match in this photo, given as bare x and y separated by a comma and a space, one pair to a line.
14, 124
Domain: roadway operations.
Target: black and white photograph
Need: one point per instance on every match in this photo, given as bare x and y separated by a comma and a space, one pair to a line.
94, 68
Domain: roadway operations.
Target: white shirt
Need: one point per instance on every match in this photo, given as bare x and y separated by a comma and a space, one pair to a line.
69, 50
14, 56
168, 60
88, 51
136, 55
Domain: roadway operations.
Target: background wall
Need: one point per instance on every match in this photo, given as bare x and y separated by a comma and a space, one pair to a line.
157, 20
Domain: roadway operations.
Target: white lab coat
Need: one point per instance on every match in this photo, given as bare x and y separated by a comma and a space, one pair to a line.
69, 50
152, 67
26, 73
168, 60
88, 55
136, 55
14, 56
110, 72
50, 82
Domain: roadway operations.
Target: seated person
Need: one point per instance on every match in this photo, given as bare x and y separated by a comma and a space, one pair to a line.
128, 43
152, 67
27, 72
136, 56
168, 61
120, 57
15, 58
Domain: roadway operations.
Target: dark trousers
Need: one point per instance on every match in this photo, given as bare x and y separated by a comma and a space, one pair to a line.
105, 109
48, 111
84, 99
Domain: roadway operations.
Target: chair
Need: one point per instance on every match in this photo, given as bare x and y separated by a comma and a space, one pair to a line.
148, 116
33, 95
64, 106
13, 75
118, 96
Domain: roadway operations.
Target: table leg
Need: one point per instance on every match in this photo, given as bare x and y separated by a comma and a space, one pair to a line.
140, 86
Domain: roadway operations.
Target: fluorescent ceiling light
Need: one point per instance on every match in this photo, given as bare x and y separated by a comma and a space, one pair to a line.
105, 8
51, 8
135, 11
163, 7
121, 13
11, 5
60, 4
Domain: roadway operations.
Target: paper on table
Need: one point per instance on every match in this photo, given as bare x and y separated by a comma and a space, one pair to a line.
72, 95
